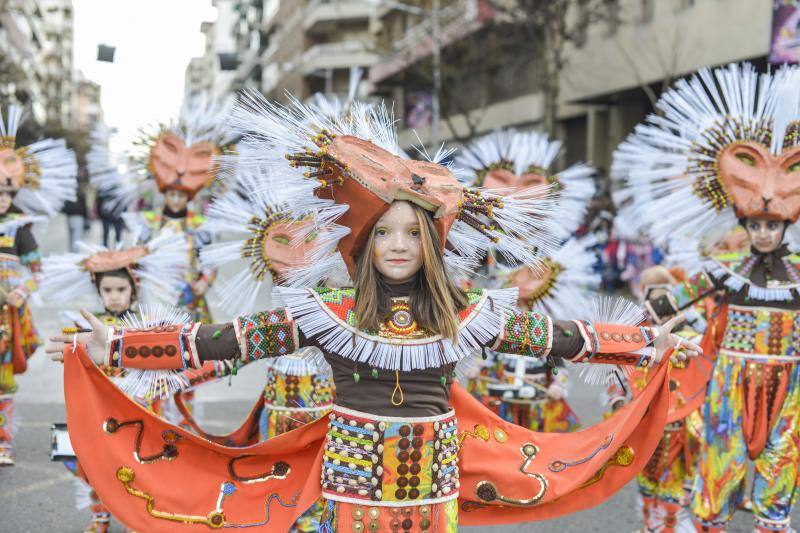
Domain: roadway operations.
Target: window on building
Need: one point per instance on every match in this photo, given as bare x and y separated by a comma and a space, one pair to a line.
582, 26
613, 17
647, 11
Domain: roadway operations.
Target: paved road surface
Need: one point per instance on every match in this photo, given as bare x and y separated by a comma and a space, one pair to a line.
37, 495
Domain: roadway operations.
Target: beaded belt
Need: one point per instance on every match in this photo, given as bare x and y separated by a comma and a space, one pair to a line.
390, 461
761, 333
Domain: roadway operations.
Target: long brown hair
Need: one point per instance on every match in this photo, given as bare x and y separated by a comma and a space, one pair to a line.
434, 299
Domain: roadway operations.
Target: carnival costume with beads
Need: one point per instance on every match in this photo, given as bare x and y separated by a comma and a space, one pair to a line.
726, 148
392, 453
40, 177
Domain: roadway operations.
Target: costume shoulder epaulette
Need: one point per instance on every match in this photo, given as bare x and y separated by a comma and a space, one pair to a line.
341, 302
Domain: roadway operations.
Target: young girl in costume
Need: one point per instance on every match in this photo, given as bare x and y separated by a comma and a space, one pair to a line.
35, 181
121, 278
392, 455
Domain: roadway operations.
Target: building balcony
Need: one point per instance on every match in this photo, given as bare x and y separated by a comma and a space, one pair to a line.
248, 61
323, 16
343, 54
456, 21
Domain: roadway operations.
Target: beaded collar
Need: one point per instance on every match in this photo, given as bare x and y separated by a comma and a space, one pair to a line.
327, 315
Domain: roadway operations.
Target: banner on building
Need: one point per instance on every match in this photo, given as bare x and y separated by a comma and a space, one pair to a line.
785, 46
419, 109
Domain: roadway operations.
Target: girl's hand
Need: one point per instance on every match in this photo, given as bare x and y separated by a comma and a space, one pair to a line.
555, 391
95, 341
16, 298
667, 340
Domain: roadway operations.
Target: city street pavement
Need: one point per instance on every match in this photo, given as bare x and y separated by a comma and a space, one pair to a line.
37, 495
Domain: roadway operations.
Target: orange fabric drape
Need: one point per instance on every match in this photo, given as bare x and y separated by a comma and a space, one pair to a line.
179, 479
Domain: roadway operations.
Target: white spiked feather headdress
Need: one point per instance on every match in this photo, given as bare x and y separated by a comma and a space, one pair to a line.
532, 153
201, 119
157, 268
671, 166
48, 170
570, 280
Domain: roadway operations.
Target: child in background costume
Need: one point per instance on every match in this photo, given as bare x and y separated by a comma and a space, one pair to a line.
665, 482
521, 390
392, 454
727, 149
35, 181
530, 392
121, 278
254, 227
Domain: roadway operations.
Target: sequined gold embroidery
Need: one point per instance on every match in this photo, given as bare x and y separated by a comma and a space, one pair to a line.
623, 457
216, 519
487, 491
478, 432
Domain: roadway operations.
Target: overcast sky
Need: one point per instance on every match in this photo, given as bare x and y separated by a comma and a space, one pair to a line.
154, 40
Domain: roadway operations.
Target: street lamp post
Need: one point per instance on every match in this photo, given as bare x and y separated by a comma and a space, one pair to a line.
436, 62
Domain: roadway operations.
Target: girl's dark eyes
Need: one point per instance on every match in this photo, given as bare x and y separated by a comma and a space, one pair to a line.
381, 232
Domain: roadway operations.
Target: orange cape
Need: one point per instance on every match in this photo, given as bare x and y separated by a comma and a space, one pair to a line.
156, 477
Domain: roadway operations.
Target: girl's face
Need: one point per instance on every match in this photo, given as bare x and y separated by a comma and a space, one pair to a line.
116, 293
5, 202
397, 252
765, 235
176, 200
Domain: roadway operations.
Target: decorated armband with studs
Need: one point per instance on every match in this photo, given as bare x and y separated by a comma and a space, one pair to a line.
617, 345
525, 333
266, 334
156, 348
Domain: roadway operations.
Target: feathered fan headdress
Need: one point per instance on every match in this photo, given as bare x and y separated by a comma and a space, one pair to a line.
42, 175
157, 269
340, 174
563, 284
179, 156
254, 225
512, 160
726, 145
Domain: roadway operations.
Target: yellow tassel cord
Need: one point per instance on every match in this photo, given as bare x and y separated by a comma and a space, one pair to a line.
397, 389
